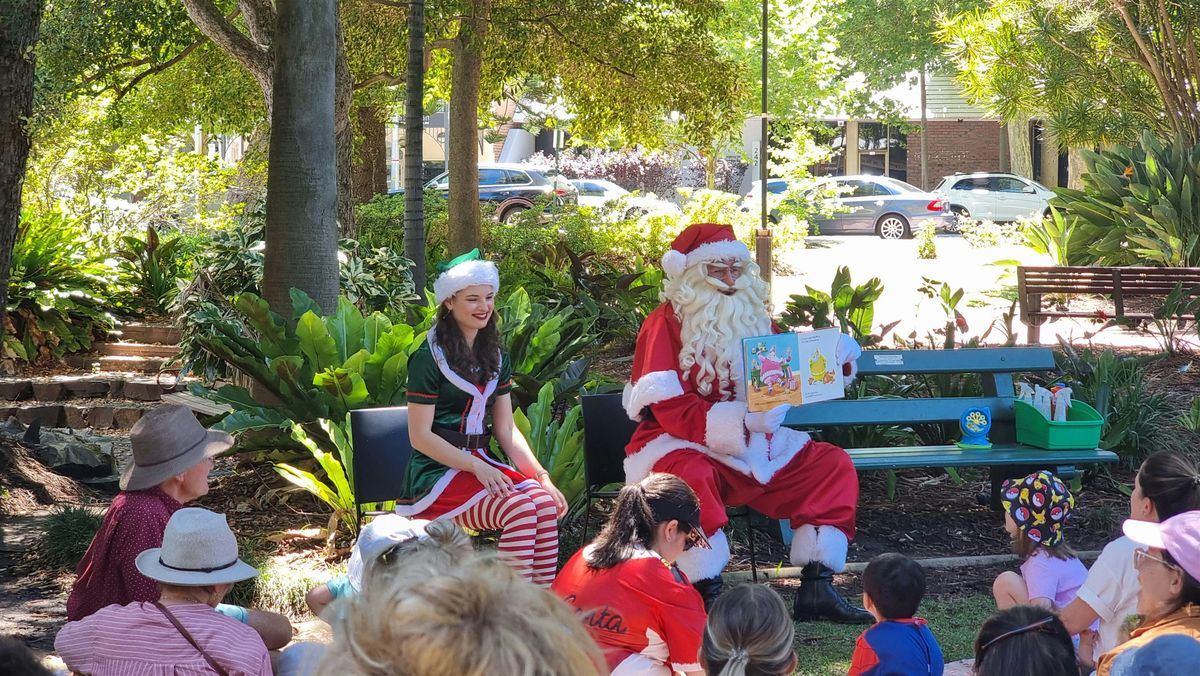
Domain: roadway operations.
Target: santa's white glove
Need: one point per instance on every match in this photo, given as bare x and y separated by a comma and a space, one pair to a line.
848, 353
767, 422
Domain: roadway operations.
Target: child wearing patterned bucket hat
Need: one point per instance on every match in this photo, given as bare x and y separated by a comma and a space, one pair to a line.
1035, 509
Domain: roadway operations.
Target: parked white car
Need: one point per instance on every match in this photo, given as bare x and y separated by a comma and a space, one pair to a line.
995, 196
600, 192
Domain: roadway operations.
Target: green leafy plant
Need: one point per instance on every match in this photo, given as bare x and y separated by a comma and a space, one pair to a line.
543, 344
66, 534
926, 247
849, 307
1136, 418
336, 487
56, 290
376, 278
1140, 204
150, 267
1059, 238
1191, 419
556, 442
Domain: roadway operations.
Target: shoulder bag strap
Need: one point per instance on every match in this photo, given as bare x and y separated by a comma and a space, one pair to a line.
207, 658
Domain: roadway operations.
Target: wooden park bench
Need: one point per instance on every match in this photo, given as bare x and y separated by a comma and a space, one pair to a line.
1116, 283
605, 437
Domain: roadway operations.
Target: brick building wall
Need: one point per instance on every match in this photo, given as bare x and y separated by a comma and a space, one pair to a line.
966, 146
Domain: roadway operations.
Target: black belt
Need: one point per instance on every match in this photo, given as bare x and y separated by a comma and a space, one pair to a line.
464, 440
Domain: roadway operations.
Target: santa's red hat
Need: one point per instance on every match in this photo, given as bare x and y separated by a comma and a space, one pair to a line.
703, 242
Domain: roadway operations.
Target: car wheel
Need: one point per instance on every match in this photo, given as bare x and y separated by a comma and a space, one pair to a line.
892, 226
510, 215
958, 215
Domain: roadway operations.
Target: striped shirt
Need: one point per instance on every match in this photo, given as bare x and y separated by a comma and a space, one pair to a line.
138, 640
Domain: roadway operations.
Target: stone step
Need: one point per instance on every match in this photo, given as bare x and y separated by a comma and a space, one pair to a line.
111, 414
121, 363
73, 387
126, 348
163, 334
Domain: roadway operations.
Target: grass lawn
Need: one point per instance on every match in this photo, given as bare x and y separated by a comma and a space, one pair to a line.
825, 649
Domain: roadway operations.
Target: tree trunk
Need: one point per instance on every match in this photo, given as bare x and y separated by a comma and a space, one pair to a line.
301, 175
710, 169
20, 22
344, 138
414, 149
370, 169
465, 229
1076, 167
1020, 153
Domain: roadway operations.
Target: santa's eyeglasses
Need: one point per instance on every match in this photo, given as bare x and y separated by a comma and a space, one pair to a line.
724, 270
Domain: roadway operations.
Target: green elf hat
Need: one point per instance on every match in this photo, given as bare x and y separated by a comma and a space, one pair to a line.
466, 270
1039, 504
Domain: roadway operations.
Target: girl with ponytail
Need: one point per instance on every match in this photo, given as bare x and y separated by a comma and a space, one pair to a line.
749, 633
640, 609
1167, 484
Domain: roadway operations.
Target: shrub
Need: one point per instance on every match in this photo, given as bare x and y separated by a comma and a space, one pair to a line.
66, 534
1139, 205
150, 268
926, 247
56, 289
984, 234
851, 308
647, 172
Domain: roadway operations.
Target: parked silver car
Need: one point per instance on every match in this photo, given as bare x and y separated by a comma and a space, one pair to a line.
883, 206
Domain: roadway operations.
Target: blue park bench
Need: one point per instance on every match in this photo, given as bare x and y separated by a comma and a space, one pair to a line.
607, 430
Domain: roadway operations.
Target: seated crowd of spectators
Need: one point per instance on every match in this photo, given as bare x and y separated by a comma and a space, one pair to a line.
419, 599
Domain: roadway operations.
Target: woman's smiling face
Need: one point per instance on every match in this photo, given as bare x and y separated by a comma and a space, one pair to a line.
472, 307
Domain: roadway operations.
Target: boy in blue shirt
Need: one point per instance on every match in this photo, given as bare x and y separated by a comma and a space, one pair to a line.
898, 644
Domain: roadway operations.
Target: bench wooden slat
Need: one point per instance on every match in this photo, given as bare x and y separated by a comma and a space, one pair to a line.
904, 412
965, 360
902, 457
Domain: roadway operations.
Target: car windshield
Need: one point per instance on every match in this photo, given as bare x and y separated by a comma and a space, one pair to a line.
1041, 187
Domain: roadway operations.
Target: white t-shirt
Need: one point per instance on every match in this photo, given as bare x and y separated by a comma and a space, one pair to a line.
1111, 590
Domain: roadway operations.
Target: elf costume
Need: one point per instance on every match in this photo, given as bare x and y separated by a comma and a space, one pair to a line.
527, 516
704, 439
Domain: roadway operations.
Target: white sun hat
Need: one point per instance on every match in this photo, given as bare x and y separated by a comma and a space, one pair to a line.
383, 533
198, 549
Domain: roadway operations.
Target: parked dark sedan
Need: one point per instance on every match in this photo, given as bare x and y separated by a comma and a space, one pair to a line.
514, 187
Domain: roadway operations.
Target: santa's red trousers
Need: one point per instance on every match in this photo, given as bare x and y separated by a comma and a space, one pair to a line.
819, 487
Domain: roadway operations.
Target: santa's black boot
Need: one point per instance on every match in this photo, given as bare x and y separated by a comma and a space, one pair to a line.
818, 600
710, 588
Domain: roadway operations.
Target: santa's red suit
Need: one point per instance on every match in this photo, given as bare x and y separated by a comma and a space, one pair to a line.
703, 437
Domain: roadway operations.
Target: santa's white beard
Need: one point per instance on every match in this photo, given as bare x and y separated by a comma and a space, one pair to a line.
713, 325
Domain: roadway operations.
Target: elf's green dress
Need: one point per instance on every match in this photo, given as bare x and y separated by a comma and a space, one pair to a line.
433, 490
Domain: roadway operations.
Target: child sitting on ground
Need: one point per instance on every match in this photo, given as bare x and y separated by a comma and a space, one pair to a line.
387, 538
898, 642
1035, 509
749, 633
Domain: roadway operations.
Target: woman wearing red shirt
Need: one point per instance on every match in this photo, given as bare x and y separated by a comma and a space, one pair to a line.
641, 610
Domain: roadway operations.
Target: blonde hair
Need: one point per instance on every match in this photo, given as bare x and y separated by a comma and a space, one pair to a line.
706, 316
472, 617
748, 633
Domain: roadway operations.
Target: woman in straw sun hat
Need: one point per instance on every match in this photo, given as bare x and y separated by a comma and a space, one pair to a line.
172, 456
194, 568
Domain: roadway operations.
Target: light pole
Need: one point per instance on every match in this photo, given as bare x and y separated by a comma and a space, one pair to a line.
762, 238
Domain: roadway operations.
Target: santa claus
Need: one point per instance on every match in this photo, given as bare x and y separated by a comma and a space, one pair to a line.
687, 392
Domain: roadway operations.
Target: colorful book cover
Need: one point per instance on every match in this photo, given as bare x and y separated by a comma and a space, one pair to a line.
791, 368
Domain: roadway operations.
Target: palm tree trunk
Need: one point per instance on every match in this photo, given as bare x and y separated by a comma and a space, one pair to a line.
301, 173
20, 22
1020, 152
465, 228
414, 202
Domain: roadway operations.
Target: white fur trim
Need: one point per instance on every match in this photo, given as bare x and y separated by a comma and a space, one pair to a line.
674, 263
713, 251
804, 545
826, 545
463, 275
725, 429
651, 388
765, 458
700, 564
639, 465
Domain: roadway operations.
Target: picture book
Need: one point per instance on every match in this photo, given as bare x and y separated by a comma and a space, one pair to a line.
791, 368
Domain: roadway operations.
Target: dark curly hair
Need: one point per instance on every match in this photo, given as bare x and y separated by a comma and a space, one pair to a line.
476, 363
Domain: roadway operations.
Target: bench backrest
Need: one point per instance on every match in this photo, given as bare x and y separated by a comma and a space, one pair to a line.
381, 452
1131, 281
996, 367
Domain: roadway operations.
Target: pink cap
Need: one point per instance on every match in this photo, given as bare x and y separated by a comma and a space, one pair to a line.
1179, 535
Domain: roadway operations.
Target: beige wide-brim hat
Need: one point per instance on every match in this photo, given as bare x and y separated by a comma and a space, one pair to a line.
198, 549
167, 441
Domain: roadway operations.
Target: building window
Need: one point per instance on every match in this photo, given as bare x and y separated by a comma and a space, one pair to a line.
882, 150
833, 136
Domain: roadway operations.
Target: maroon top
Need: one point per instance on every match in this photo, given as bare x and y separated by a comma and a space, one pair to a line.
108, 573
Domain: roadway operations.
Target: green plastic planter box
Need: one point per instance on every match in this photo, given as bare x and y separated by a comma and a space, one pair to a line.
1081, 429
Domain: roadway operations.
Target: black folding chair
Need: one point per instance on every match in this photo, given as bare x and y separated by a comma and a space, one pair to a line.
381, 454
606, 431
